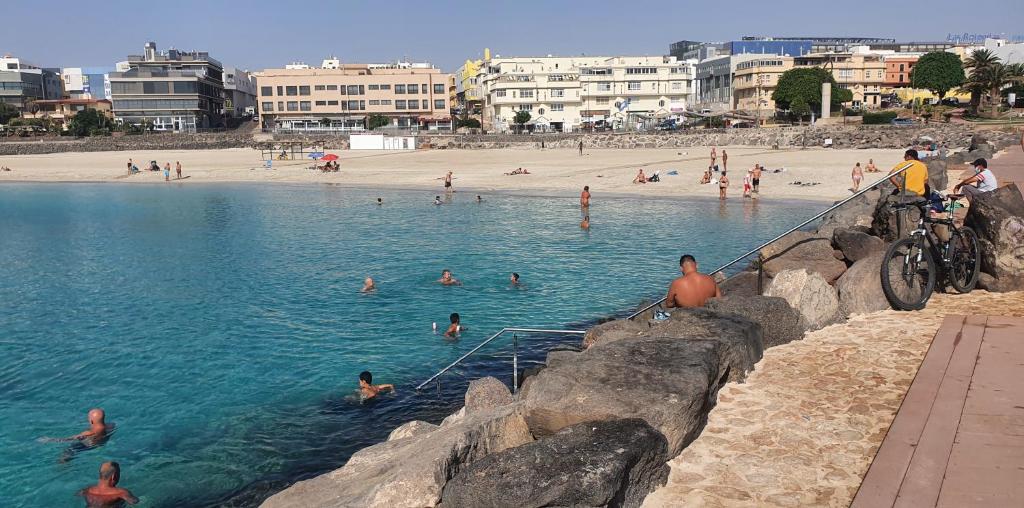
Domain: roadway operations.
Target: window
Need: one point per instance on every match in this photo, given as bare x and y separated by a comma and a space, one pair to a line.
267, 90
676, 85
412, 88
526, 94
321, 103
354, 105
280, 105
303, 89
641, 70
399, 88
374, 87
362, 105
319, 88
385, 102
355, 89
426, 104
558, 92
155, 87
604, 86
540, 111
901, 67
332, 103
374, 102
558, 107
341, 89
186, 87
399, 104
292, 90
332, 87
293, 106
280, 91
414, 104
439, 104
304, 106
267, 107
438, 88
386, 87
526, 107
633, 85
602, 101
845, 73
661, 104
499, 93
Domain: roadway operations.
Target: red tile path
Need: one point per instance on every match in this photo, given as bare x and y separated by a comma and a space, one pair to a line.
958, 438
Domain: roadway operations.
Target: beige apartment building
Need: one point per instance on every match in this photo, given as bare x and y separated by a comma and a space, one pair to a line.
564, 94
861, 73
345, 96
754, 83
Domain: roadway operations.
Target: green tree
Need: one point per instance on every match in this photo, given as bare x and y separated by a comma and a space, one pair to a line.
325, 122
799, 109
978, 63
804, 84
8, 112
87, 122
376, 121
472, 123
939, 72
521, 118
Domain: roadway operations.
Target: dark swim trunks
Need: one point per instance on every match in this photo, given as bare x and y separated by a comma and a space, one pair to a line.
757, 181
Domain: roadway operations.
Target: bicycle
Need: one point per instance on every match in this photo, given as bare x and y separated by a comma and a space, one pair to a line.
909, 271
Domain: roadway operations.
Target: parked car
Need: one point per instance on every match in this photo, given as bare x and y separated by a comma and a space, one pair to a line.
667, 125
902, 121
951, 101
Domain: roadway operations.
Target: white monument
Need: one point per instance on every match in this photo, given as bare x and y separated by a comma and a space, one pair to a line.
826, 99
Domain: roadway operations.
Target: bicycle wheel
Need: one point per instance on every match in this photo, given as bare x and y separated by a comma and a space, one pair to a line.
908, 274
965, 260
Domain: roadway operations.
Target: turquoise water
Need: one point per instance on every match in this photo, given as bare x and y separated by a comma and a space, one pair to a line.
222, 329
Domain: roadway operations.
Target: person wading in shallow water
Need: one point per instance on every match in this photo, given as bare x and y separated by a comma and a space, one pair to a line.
693, 288
106, 492
369, 390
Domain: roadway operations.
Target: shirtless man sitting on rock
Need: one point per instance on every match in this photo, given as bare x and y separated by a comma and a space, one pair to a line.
693, 288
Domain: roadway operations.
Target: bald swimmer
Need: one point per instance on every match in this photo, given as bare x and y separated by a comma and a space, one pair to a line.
99, 430
693, 288
106, 493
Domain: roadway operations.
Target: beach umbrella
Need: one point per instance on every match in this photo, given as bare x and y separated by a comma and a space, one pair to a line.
330, 157
315, 155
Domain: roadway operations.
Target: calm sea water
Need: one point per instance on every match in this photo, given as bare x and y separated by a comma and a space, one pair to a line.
222, 329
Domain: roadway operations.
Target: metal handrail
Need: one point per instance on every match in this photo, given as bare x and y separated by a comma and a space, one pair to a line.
773, 240
515, 355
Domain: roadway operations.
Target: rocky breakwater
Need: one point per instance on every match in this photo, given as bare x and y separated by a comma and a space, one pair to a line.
163, 141
998, 219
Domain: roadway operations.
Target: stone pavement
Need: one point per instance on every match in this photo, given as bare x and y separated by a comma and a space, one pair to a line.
1009, 166
804, 427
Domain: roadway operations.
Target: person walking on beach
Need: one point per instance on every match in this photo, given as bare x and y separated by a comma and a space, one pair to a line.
106, 492
746, 183
714, 155
723, 184
581, 148
756, 179
130, 167
167, 171
367, 389
693, 288
585, 197
857, 175
448, 182
177, 167
725, 161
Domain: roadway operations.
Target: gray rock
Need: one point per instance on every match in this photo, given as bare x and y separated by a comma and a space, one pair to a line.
486, 393
938, 178
605, 463
856, 245
998, 219
742, 338
860, 288
559, 356
810, 295
669, 383
779, 322
743, 284
887, 223
855, 213
454, 418
411, 429
612, 331
409, 472
802, 250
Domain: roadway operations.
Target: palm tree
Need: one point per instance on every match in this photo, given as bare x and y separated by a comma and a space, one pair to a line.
995, 78
977, 83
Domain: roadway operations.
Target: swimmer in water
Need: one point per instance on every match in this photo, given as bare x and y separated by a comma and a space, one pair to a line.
455, 328
447, 279
98, 433
368, 285
369, 390
586, 222
479, 199
106, 492
437, 200
514, 278
380, 201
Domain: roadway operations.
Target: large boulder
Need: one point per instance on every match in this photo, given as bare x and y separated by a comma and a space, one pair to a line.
613, 330
855, 244
605, 463
856, 213
742, 284
486, 393
808, 293
860, 288
742, 338
889, 224
411, 429
779, 322
998, 218
669, 383
802, 250
938, 178
410, 472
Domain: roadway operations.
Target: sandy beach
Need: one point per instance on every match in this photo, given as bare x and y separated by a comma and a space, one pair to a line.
560, 171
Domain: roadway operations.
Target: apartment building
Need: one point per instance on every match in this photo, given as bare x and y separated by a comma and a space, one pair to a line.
410, 96
860, 72
563, 94
86, 82
897, 69
22, 83
467, 87
61, 111
755, 81
239, 93
174, 90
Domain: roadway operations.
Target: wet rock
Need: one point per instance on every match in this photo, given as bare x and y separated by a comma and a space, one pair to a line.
409, 472
998, 219
856, 245
860, 288
410, 429
779, 322
809, 294
802, 250
604, 463
612, 331
486, 393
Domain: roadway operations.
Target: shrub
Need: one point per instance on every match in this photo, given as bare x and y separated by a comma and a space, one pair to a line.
882, 117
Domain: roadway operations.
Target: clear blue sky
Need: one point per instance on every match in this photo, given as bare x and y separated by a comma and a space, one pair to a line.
257, 34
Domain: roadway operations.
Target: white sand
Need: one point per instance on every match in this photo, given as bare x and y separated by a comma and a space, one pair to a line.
561, 171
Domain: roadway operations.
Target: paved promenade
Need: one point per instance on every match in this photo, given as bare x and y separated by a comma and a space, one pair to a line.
1009, 167
805, 426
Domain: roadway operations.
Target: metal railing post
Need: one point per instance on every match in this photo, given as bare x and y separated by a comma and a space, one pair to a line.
515, 363
760, 274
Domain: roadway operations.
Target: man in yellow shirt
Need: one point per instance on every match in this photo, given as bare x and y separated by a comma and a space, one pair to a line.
916, 175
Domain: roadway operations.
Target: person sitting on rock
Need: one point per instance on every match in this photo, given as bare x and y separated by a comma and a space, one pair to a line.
983, 180
367, 389
914, 179
693, 288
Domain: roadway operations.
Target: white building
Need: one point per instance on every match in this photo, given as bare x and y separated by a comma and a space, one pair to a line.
239, 92
563, 94
86, 82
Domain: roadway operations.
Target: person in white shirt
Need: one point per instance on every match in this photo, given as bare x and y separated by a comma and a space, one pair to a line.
983, 180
